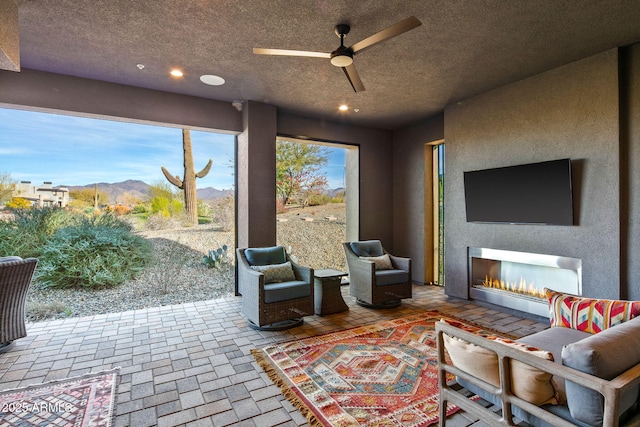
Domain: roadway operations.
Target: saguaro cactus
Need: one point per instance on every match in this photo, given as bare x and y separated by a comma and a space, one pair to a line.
188, 184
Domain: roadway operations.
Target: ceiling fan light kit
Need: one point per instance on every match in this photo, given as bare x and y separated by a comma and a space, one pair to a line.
343, 56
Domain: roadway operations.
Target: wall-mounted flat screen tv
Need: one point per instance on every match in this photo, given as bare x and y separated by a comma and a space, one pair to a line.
536, 193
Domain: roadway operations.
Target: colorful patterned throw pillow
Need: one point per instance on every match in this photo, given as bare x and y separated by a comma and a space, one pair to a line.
588, 314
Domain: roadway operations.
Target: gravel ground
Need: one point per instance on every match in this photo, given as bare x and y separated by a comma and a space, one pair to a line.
177, 275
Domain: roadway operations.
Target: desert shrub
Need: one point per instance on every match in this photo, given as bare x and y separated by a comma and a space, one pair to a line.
138, 209
203, 209
27, 233
119, 209
97, 252
160, 205
18, 203
340, 197
161, 222
224, 213
318, 199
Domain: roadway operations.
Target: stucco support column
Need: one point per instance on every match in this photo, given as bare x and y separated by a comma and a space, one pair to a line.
256, 160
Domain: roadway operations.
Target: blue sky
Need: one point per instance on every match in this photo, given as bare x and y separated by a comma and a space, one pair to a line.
69, 150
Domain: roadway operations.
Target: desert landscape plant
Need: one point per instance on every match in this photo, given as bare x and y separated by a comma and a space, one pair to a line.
188, 182
96, 252
27, 233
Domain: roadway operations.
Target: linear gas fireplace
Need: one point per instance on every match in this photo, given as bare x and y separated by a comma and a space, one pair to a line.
516, 279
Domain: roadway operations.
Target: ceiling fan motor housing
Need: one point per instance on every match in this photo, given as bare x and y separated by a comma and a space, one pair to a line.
342, 56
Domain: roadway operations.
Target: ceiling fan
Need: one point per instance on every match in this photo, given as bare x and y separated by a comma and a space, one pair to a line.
343, 56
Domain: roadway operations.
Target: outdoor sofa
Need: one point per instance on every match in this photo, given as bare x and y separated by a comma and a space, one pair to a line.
584, 370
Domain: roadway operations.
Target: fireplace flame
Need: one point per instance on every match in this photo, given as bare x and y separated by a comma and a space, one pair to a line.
519, 287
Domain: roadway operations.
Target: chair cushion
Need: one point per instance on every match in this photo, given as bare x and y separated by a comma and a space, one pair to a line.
276, 273
10, 258
528, 383
382, 262
391, 277
606, 355
266, 256
588, 314
277, 292
367, 248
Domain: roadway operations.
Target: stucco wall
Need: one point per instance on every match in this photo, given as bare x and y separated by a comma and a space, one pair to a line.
571, 112
409, 191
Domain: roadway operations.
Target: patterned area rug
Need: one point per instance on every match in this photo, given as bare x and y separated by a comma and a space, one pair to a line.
384, 374
86, 401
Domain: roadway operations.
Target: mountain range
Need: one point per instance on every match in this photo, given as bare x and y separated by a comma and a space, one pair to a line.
140, 190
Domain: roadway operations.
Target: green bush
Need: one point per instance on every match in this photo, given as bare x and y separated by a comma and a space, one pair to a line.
139, 209
27, 234
97, 252
318, 199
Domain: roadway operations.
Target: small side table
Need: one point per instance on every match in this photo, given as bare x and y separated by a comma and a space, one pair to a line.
326, 291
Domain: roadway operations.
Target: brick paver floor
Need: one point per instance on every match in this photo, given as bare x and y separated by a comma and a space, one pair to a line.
190, 364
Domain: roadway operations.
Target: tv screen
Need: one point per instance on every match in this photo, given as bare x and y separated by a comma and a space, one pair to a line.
536, 193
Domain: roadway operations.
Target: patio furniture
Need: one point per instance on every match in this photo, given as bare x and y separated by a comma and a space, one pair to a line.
15, 278
569, 374
276, 292
327, 295
377, 278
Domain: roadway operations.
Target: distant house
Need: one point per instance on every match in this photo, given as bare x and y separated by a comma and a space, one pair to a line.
44, 195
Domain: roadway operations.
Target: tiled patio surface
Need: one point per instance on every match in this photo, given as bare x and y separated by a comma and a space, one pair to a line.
190, 364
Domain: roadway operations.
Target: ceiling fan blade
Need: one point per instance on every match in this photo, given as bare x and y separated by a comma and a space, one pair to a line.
354, 78
394, 30
286, 52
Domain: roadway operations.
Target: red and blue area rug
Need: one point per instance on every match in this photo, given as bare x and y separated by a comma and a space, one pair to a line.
86, 401
384, 374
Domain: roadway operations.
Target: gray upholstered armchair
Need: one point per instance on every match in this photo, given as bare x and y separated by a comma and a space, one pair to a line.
377, 278
15, 279
276, 292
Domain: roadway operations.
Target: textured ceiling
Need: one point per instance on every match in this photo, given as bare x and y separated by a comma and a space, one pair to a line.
463, 48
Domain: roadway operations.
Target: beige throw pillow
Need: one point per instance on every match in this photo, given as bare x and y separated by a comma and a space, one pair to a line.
382, 262
276, 273
528, 383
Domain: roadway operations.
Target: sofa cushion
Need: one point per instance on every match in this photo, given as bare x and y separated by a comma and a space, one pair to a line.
588, 314
382, 262
528, 383
276, 273
266, 256
277, 292
553, 340
10, 258
605, 355
391, 277
367, 248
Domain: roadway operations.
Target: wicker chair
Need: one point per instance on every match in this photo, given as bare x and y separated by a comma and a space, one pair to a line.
275, 296
375, 280
15, 278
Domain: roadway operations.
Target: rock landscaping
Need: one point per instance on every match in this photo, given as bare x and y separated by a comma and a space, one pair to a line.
178, 274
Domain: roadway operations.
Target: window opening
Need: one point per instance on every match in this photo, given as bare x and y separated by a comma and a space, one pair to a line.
90, 167
314, 195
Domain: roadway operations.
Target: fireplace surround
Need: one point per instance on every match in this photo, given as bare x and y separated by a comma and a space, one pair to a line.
516, 280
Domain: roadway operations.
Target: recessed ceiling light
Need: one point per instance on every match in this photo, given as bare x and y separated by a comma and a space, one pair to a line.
211, 80
176, 73
343, 107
